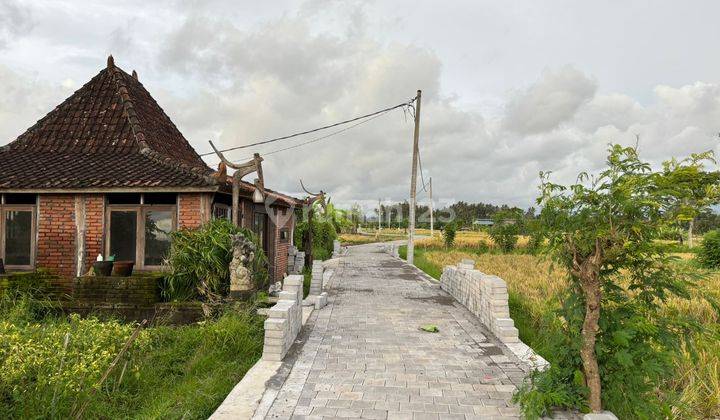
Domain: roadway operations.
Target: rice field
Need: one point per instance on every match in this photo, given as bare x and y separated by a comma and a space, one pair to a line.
465, 240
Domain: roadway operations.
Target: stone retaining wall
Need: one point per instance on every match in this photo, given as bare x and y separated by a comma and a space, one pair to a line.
135, 290
487, 298
295, 261
284, 320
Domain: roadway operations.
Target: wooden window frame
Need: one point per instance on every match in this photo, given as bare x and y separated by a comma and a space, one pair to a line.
140, 211
33, 234
225, 207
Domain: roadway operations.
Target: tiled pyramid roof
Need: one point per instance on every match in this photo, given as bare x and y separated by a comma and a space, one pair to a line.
109, 134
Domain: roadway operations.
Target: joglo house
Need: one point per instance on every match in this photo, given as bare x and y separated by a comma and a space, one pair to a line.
107, 172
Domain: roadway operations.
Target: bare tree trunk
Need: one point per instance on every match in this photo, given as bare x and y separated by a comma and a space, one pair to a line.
591, 290
690, 232
309, 240
587, 270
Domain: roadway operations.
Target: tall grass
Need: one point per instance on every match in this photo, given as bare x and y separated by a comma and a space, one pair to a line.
50, 365
534, 286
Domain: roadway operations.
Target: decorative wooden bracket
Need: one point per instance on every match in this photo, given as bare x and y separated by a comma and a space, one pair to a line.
308, 202
241, 170
313, 197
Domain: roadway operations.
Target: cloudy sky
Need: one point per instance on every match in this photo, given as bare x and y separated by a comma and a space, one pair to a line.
509, 88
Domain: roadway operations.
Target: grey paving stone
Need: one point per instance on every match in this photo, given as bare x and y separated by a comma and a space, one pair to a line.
366, 357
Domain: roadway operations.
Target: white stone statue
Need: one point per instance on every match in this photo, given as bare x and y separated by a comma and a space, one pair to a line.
241, 282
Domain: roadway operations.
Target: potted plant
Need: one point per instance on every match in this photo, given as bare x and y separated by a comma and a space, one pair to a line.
123, 268
103, 267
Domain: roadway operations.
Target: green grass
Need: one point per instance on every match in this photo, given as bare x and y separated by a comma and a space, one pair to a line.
169, 372
422, 262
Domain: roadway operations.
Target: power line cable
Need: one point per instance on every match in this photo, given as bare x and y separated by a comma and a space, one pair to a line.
422, 177
402, 105
320, 138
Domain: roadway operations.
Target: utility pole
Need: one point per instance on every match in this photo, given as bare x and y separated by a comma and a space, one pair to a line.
413, 182
379, 216
432, 226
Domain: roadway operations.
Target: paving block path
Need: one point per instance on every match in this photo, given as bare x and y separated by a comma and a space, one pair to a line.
366, 357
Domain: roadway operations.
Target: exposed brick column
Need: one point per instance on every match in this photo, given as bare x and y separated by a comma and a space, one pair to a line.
282, 221
56, 234
94, 228
189, 206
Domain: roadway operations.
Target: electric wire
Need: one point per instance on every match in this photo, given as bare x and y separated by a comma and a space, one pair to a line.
315, 140
422, 177
362, 117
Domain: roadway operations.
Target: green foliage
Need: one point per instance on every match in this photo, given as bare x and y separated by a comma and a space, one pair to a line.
449, 232
506, 228
606, 231
49, 365
694, 189
709, 254
537, 235
324, 233
199, 261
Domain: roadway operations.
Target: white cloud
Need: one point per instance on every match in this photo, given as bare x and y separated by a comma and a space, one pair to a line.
24, 101
549, 102
14, 20
227, 77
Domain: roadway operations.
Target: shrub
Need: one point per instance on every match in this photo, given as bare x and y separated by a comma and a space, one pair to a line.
506, 228
709, 253
449, 232
199, 261
324, 233
617, 343
48, 366
537, 236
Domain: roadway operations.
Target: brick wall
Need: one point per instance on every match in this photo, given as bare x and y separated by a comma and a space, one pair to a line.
282, 221
94, 226
193, 210
135, 290
56, 234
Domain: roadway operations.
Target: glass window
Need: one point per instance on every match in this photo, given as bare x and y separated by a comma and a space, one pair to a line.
20, 199
123, 234
18, 237
123, 198
158, 225
221, 211
160, 198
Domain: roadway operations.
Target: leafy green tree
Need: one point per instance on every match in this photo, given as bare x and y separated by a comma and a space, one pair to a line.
616, 343
506, 228
709, 255
449, 232
534, 229
695, 189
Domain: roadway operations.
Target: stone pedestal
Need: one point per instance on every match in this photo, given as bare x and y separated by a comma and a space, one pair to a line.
284, 320
316, 283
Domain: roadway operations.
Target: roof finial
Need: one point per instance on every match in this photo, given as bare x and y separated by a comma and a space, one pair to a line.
134, 75
111, 61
